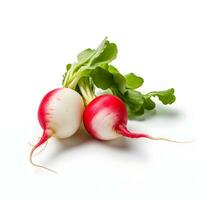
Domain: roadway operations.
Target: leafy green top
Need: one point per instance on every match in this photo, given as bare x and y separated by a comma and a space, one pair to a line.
93, 68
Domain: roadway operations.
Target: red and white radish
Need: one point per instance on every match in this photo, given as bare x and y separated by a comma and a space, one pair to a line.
105, 118
60, 115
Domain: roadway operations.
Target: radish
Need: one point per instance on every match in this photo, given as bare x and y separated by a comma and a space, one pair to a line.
105, 118
60, 116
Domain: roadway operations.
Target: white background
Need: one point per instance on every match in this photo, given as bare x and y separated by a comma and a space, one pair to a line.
159, 40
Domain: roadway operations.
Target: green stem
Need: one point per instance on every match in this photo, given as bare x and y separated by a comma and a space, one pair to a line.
68, 76
73, 83
74, 78
86, 90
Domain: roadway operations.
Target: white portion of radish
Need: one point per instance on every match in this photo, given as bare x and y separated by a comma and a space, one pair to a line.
65, 112
103, 123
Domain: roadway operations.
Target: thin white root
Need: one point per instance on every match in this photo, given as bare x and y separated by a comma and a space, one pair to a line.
46, 135
171, 140
40, 166
41, 149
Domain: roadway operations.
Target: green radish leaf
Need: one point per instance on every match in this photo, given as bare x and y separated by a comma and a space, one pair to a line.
112, 69
140, 111
102, 78
133, 81
109, 54
101, 74
166, 96
133, 114
134, 100
104, 66
149, 104
68, 66
99, 50
105, 53
85, 55
119, 82
118, 79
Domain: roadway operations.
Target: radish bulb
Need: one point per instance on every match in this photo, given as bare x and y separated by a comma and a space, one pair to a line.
105, 118
60, 115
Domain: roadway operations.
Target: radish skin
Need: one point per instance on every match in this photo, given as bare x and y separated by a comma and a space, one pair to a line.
105, 118
60, 115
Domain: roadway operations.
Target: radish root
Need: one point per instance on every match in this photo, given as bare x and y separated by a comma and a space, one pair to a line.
122, 130
171, 140
41, 149
46, 135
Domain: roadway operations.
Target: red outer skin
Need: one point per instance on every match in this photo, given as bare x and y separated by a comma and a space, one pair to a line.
42, 117
113, 103
43, 139
117, 107
42, 111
